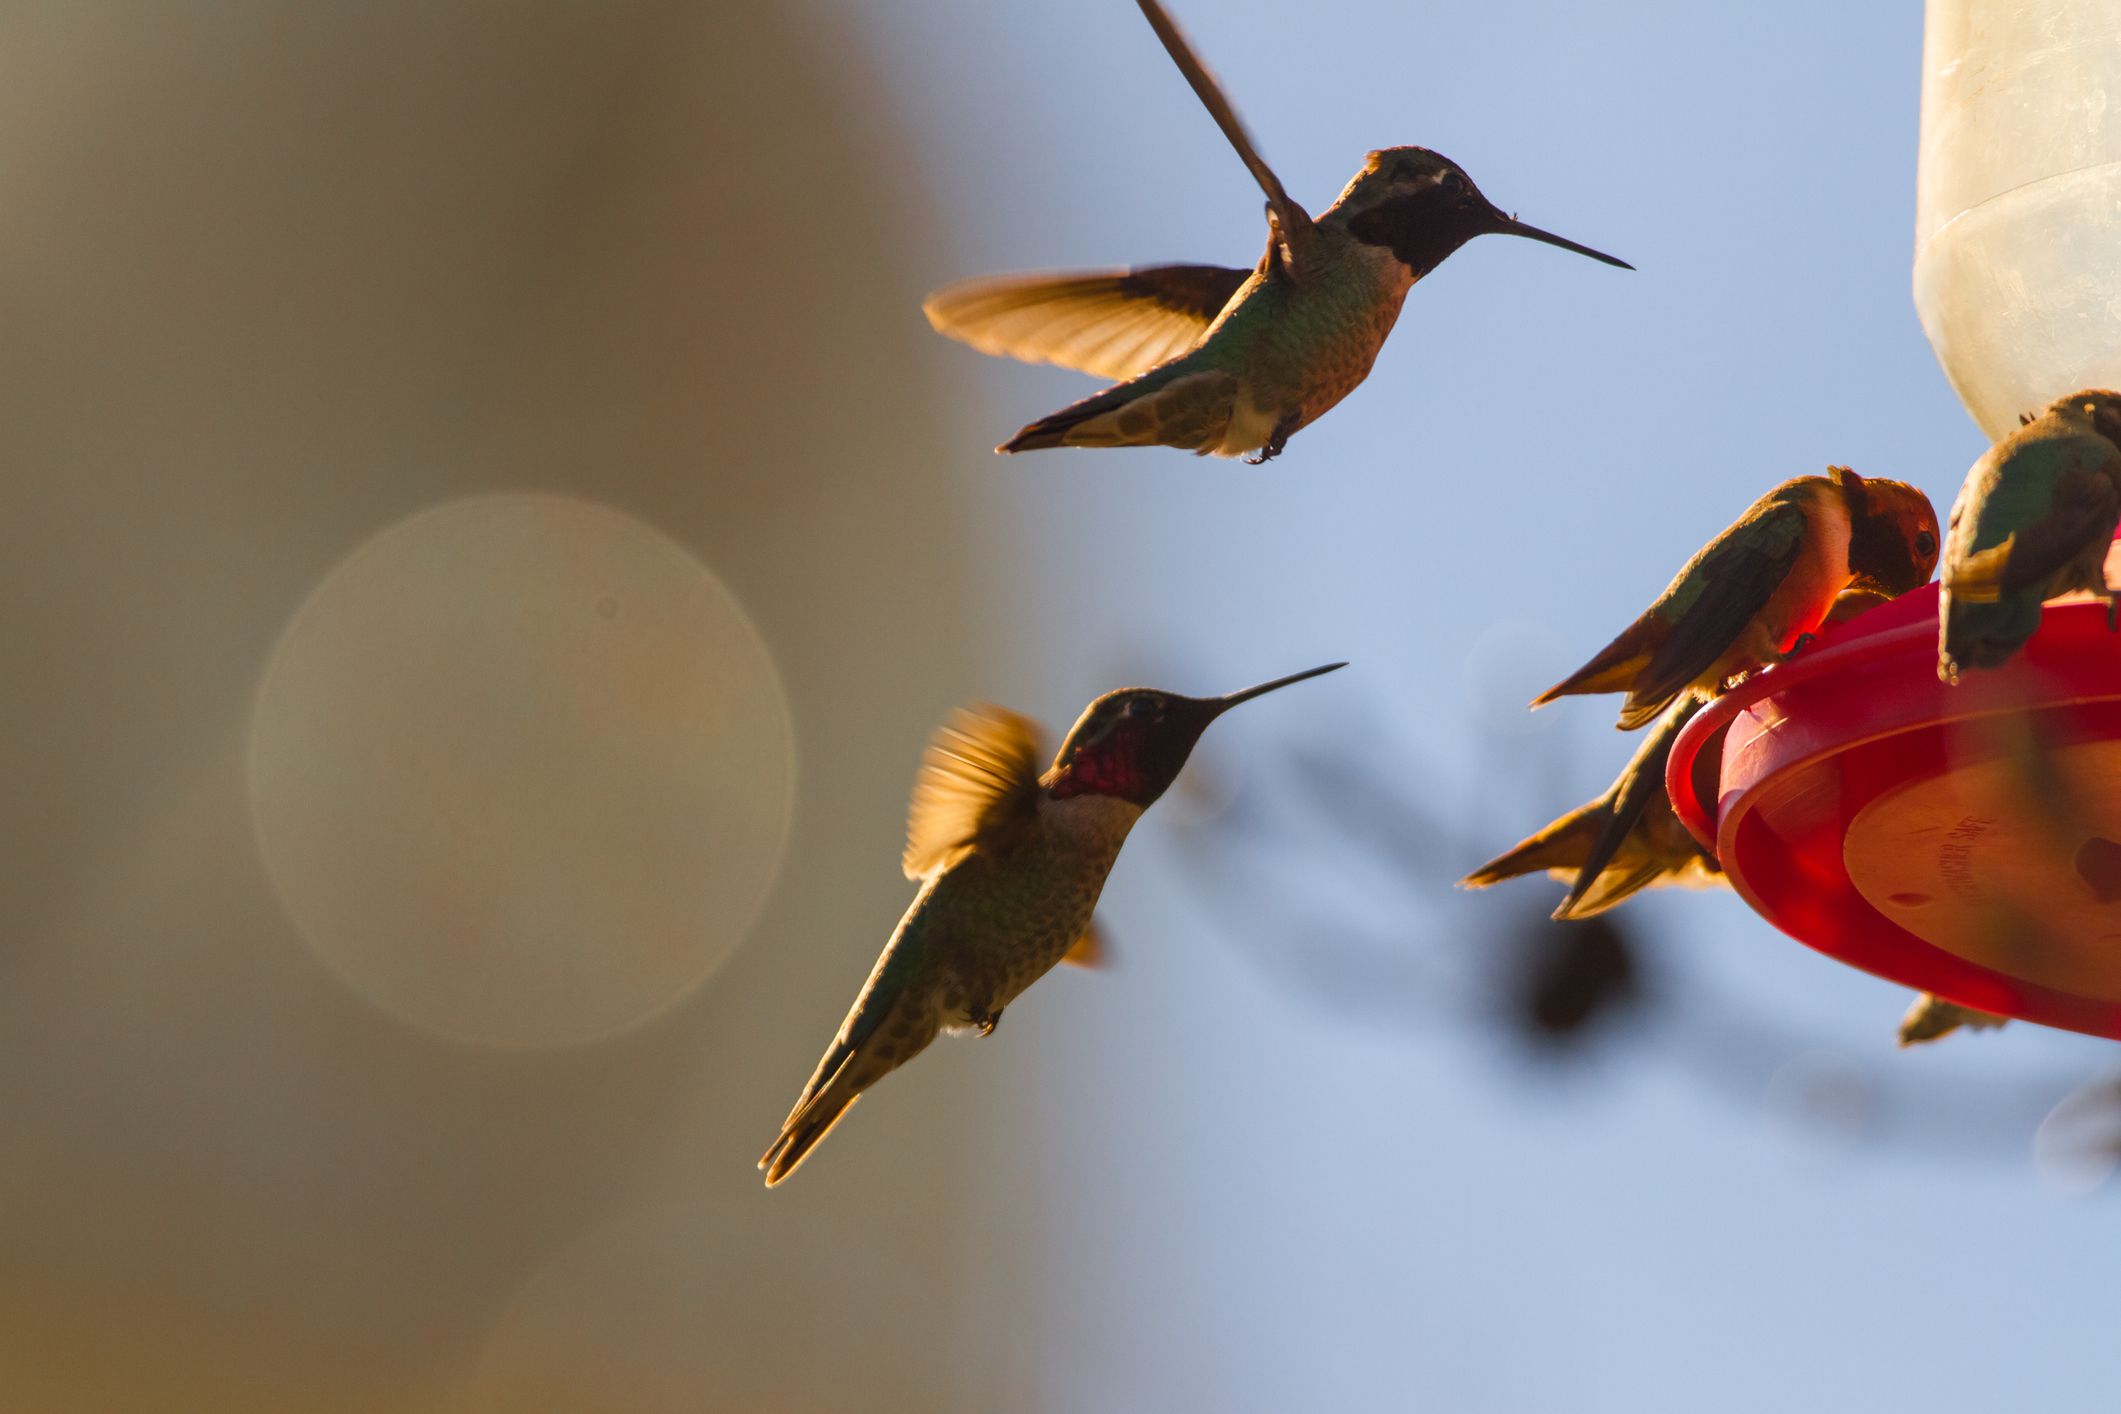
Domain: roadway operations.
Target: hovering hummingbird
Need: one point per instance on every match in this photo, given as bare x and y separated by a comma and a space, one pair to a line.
1758, 590
2033, 520
1010, 862
1932, 1016
1625, 841
1230, 361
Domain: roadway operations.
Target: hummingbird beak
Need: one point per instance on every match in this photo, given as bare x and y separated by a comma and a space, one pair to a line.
1224, 704
1506, 225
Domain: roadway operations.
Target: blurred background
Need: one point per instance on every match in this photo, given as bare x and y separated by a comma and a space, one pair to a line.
488, 532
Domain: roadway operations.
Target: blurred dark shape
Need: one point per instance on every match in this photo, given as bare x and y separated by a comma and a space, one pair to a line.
1932, 1016
2099, 865
1415, 956
1568, 980
1822, 1097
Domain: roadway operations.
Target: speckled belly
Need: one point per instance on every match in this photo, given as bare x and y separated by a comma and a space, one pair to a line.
1344, 362
1012, 921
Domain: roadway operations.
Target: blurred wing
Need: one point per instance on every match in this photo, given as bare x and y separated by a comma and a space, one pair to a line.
1114, 323
1720, 594
1294, 222
1090, 949
978, 786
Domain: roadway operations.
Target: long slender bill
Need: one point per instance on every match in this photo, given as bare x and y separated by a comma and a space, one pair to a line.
1224, 704
1511, 226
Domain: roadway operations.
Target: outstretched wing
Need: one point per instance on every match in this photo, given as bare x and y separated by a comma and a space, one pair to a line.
1291, 221
978, 786
1113, 323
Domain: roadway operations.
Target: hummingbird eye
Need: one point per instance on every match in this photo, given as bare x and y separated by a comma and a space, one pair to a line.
1925, 544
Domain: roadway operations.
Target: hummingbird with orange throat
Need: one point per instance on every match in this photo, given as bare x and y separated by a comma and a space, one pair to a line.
1010, 859
1227, 361
1758, 591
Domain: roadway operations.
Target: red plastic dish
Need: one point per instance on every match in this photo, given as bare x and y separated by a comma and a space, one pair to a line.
1959, 840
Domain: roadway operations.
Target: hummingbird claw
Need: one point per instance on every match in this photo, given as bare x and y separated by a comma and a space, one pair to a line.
1276, 440
986, 1022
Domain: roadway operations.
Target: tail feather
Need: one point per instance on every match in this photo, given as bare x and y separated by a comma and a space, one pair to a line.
1614, 669
1565, 844
805, 1130
1639, 789
868, 1048
1595, 893
1173, 405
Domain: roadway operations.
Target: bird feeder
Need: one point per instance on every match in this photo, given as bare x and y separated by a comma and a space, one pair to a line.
1963, 840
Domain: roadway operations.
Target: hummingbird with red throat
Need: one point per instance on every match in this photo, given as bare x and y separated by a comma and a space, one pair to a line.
1010, 860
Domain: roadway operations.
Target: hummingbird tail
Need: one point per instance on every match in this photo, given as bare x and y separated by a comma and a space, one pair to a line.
804, 1132
1591, 896
1613, 670
869, 1047
1565, 844
1169, 406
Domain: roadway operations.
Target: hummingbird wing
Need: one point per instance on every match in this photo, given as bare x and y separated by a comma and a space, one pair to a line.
978, 785
2083, 504
1291, 221
1720, 592
1089, 950
1113, 323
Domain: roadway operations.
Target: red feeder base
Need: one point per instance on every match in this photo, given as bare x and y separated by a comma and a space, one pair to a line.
1958, 840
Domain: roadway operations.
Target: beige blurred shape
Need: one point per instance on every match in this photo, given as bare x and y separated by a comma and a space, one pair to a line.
522, 770
662, 1311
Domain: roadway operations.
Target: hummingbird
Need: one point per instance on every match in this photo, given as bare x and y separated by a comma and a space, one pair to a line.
1756, 592
1932, 1016
2033, 520
1627, 840
1222, 360
1010, 861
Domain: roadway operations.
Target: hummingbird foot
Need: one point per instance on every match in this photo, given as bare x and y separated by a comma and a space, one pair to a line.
986, 1021
1804, 641
1276, 440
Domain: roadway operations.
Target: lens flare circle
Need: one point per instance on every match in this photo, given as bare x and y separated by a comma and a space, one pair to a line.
522, 770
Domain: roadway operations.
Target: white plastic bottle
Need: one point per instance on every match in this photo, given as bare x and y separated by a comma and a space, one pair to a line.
2018, 200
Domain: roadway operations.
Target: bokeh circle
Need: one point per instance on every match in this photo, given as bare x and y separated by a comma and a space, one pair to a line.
522, 770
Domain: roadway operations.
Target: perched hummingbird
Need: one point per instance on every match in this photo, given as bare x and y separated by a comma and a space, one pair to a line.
1931, 1016
2034, 520
1762, 586
1010, 863
1229, 361
1625, 841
